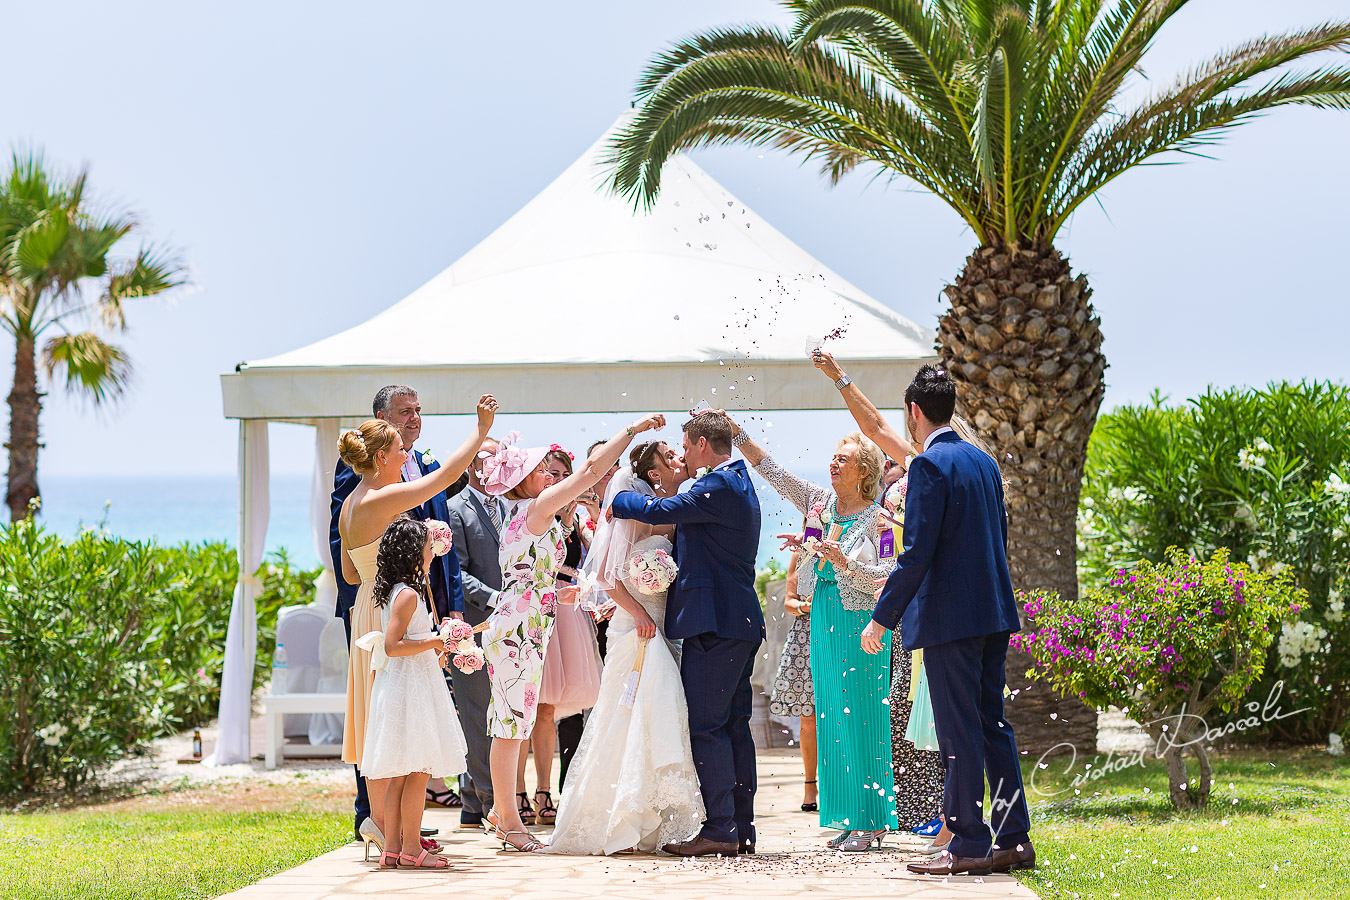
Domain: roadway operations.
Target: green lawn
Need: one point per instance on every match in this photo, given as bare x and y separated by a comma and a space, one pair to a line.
1278, 826
181, 853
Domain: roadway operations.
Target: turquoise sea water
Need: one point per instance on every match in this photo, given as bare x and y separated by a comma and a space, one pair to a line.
173, 510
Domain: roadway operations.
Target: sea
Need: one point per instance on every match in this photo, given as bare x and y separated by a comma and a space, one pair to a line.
174, 510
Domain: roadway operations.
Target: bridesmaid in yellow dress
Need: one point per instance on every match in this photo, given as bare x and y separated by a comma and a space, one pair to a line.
375, 452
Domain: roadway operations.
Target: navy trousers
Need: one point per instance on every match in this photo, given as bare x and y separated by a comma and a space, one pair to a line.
716, 676
966, 680
362, 800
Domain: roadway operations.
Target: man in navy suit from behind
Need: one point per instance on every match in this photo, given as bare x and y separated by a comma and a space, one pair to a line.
398, 405
713, 607
951, 590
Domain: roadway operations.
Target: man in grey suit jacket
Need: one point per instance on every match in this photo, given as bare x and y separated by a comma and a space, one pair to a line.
476, 520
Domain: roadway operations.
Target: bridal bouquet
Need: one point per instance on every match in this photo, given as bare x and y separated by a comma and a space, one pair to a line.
652, 570
442, 538
458, 635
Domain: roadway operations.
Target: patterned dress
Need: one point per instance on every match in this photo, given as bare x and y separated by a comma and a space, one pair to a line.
519, 629
793, 693
918, 773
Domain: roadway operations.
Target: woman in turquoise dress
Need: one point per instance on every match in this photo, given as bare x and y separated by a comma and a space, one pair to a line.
843, 556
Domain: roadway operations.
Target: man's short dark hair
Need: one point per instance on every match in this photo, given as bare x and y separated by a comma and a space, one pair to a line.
591, 448
385, 395
714, 428
935, 392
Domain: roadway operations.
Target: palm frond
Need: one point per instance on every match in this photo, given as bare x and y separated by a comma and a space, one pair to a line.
755, 87
153, 271
1186, 127
92, 368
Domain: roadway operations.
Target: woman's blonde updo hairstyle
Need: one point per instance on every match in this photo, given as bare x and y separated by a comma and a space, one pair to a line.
871, 463
358, 446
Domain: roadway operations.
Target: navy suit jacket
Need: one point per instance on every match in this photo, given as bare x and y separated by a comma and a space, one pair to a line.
715, 547
446, 590
952, 580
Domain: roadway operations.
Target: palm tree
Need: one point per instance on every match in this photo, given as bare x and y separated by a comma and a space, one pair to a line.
57, 277
1009, 111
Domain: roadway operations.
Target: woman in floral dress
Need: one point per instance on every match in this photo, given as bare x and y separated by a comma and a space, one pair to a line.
519, 629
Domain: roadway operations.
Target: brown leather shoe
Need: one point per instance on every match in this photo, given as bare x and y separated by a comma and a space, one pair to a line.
701, 846
946, 864
1023, 856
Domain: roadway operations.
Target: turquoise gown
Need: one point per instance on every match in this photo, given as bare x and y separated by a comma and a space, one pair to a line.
853, 716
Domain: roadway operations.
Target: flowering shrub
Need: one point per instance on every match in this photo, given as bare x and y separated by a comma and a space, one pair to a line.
1167, 642
1264, 474
106, 644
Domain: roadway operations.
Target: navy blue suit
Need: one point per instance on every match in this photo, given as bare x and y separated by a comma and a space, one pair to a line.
951, 592
713, 607
446, 590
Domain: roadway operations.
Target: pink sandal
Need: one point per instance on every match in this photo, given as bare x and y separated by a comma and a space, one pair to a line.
388, 859
420, 861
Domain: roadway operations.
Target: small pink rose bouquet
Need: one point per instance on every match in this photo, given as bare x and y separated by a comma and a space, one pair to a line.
652, 570
458, 636
442, 538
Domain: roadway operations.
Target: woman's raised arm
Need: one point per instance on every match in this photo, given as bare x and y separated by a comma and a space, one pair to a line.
870, 420
556, 496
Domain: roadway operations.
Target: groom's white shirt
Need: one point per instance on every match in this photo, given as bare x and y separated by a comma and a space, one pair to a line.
928, 441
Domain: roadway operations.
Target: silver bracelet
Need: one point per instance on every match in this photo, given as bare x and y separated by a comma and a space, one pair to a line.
843, 382
739, 438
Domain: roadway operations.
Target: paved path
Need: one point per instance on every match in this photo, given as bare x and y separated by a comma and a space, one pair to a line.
791, 862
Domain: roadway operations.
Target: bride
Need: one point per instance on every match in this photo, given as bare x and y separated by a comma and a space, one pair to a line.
632, 785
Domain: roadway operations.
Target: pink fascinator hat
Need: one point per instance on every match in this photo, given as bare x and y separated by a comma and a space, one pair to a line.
508, 467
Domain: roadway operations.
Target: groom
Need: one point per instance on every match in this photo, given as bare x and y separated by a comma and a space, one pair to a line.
951, 590
714, 608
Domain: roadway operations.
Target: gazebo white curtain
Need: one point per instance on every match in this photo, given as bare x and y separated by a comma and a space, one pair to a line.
241, 641
698, 299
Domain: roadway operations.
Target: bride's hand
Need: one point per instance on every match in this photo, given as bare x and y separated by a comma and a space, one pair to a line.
646, 628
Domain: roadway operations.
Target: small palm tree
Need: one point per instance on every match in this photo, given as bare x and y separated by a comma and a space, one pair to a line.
58, 277
1009, 111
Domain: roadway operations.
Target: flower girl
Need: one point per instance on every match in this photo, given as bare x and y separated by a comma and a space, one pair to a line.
413, 733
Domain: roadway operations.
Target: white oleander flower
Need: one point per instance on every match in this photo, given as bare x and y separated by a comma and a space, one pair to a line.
1262, 445
1298, 640
1336, 487
1335, 607
52, 734
1248, 459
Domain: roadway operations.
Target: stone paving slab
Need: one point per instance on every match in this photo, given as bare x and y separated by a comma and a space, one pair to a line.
792, 862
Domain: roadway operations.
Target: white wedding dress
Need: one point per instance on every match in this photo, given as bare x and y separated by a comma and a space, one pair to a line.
633, 784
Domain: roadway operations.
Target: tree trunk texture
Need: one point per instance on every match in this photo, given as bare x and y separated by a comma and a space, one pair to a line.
1024, 346
25, 405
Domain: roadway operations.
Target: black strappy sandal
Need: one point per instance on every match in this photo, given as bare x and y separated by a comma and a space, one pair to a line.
447, 799
544, 813
810, 807
525, 809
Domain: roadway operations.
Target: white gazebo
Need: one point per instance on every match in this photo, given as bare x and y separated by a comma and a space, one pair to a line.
590, 308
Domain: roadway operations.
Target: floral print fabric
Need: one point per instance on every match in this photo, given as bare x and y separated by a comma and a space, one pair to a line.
519, 629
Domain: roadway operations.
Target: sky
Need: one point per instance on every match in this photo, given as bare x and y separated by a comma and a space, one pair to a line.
316, 163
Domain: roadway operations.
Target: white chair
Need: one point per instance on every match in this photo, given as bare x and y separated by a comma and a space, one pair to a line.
326, 728
299, 628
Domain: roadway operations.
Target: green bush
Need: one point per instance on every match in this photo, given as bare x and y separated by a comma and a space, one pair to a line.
1261, 473
1168, 643
107, 644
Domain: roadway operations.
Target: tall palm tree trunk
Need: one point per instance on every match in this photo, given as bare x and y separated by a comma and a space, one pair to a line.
1024, 346
25, 405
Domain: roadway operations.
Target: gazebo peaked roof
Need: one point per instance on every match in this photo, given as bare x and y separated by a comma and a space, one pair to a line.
581, 304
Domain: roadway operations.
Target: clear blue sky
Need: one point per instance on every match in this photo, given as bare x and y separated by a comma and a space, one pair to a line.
317, 162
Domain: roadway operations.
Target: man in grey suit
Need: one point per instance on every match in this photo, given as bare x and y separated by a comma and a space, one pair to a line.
476, 520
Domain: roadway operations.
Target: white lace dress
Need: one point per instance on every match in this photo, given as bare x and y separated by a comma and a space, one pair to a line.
633, 782
412, 725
